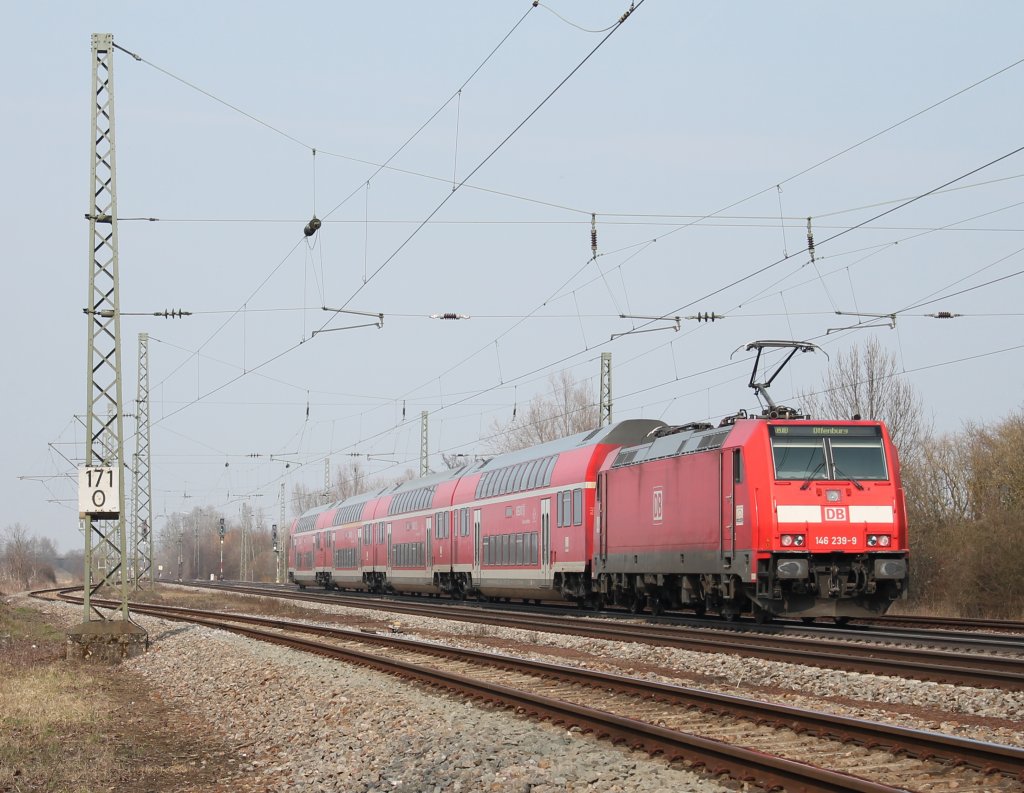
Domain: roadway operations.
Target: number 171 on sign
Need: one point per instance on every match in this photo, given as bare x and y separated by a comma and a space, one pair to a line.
99, 492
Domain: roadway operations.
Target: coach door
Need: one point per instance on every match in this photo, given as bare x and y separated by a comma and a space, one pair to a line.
428, 557
387, 560
545, 537
476, 545
727, 480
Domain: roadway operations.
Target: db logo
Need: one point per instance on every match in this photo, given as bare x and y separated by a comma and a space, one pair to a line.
658, 506
835, 513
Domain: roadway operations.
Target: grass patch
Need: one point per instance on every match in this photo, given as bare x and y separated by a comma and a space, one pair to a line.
76, 727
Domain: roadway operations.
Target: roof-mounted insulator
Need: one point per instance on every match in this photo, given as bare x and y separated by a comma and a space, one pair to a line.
810, 240
943, 315
706, 317
449, 315
593, 234
312, 227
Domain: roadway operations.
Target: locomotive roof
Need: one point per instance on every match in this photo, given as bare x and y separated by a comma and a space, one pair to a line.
622, 432
673, 441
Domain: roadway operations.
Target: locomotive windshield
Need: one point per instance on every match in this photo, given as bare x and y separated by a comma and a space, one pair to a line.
809, 452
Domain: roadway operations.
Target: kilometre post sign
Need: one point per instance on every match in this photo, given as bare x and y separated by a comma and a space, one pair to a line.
98, 492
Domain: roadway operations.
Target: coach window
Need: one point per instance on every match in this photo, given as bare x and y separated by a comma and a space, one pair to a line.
517, 480
577, 507
567, 507
465, 521
558, 508
549, 470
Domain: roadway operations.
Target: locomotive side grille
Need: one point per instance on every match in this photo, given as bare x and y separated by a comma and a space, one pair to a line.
624, 457
713, 441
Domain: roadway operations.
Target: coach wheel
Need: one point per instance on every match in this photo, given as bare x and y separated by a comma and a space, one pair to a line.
700, 609
807, 620
597, 602
302, 587
657, 607
636, 606
840, 621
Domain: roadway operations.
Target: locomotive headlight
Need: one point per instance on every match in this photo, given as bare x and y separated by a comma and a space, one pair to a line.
872, 540
787, 540
832, 495
798, 539
884, 540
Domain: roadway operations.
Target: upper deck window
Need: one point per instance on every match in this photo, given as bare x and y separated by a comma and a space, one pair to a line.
809, 452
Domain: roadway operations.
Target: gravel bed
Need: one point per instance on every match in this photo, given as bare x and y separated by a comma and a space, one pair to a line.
979, 713
303, 722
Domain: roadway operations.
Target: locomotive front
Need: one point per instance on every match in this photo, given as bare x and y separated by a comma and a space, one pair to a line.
836, 541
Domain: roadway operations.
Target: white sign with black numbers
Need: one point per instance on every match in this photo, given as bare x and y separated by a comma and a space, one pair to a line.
98, 492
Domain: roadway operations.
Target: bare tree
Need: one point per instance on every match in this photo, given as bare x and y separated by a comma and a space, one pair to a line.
17, 554
569, 407
25, 558
304, 498
866, 382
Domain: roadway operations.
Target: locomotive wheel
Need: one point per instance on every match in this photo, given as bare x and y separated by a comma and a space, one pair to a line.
636, 606
841, 620
762, 616
807, 620
657, 607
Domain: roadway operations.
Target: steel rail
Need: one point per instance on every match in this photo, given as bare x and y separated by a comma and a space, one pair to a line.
716, 757
983, 756
984, 671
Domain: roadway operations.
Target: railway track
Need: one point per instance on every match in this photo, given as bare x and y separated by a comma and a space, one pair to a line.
725, 734
849, 653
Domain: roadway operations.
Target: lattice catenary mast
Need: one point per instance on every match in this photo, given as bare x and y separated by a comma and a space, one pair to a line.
104, 449
605, 411
142, 542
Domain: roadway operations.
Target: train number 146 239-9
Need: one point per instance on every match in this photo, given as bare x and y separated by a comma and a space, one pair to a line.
835, 540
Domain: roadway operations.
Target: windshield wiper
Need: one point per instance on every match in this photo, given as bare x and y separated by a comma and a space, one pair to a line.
807, 482
844, 475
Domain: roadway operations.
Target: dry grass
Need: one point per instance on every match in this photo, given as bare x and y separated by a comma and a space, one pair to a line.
72, 727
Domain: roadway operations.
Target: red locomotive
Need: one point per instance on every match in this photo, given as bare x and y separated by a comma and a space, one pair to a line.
773, 515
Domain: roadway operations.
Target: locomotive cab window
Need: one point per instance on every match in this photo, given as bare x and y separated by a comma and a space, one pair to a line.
808, 453
860, 458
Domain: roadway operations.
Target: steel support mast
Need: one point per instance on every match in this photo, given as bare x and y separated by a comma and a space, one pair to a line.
424, 444
104, 423
605, 412
101, 492
142, 542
